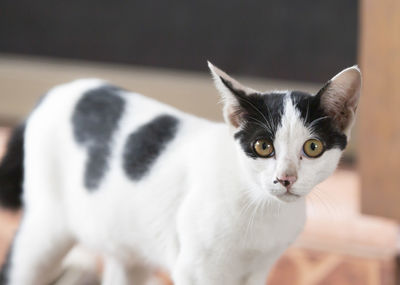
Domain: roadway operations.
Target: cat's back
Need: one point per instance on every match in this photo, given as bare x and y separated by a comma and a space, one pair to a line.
95, 103
90, 127
93, 110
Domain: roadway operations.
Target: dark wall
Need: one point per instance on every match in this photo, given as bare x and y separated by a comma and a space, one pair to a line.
302, 40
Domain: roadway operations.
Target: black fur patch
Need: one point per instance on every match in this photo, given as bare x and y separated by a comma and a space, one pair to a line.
95, 120
316, 119
145, 145
262, 117
12, 170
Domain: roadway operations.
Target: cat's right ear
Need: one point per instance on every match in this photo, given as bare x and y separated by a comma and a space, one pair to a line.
233, 94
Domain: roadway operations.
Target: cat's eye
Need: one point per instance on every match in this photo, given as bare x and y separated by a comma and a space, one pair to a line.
263, 148
313, 148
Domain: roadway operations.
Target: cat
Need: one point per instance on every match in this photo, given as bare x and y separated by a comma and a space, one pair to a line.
148, 186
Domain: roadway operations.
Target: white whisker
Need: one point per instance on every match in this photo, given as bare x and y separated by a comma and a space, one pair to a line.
317, 120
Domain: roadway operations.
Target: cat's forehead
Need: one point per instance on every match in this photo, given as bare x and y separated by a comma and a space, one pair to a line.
292, 125
277, 101
289, 106
292, 129
287, 115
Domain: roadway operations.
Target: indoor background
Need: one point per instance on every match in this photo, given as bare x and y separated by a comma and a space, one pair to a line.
160, 49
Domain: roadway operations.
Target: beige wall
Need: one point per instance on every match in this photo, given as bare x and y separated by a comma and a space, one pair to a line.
24, 80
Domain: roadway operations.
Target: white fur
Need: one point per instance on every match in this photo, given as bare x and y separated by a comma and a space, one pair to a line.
206, 213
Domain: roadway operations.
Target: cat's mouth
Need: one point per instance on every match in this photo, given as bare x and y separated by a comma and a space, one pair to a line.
288, 196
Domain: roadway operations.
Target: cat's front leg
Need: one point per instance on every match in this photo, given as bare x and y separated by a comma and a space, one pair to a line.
118, 273
199, 274
260, 274
199, 268
257, 278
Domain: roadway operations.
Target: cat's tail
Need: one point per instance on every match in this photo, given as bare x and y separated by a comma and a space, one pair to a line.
12, 172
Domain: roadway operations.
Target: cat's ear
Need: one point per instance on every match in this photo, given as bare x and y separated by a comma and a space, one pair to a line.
233, 95
340, 96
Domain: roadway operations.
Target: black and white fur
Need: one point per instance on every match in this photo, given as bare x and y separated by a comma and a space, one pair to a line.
148, 186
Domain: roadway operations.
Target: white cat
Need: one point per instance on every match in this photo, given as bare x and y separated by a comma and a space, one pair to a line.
148, 186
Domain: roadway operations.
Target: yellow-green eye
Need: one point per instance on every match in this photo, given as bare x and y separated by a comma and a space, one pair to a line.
263, 148
313, 148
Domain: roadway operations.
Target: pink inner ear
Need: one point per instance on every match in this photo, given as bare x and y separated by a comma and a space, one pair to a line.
231, 91
235, 115
340, 97
337, 107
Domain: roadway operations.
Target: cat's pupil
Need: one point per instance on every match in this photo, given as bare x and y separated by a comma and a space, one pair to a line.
264, 146
313, 146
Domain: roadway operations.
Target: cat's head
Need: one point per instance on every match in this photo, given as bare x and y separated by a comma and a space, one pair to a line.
290, 141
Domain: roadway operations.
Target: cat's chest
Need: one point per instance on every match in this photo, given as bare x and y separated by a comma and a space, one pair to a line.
269, 231
257, 241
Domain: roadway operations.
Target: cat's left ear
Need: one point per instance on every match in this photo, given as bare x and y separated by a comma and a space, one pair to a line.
234, 96
340, 96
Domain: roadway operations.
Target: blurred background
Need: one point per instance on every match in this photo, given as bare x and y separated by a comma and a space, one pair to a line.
160, 49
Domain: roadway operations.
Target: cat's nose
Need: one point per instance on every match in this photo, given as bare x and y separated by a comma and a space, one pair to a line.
286, 180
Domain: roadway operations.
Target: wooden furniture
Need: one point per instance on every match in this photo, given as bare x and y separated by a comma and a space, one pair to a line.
379, 118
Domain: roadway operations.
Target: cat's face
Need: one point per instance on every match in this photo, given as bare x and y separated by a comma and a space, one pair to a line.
290, 141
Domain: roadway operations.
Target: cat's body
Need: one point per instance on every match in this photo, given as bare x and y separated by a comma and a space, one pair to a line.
148, 186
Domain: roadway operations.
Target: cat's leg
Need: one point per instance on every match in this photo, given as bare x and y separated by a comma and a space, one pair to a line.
116, 272
182, 273
258, 278
212, 273
198, 269
38, 248
202, 274
80, 266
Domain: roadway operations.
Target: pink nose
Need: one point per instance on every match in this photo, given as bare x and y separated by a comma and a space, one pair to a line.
286, 180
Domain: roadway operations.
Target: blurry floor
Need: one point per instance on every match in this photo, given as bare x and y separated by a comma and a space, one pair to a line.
338, 246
